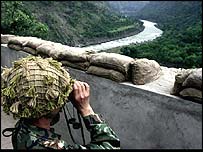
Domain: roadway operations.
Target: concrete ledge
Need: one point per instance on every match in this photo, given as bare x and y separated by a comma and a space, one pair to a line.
145, 119
142, 119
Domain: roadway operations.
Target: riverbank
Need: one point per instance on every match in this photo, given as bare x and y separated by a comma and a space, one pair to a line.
99, 40
149, 33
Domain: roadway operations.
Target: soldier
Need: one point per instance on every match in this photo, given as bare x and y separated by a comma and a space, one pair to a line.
35, 90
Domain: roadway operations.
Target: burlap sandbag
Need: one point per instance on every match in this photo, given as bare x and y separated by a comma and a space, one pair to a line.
181, 78
182, 75
5, 38
106, 73
191, 93
113, 61
145, 71
29, 50
20, 40
74, 54
15, 47
50, 49
34, 42
77, 65
176, 88
194, 80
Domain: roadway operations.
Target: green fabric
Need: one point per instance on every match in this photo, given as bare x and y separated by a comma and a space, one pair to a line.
32, 137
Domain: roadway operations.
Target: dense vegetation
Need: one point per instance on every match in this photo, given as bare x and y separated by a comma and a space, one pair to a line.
16, 20
68, 22
181, 43
127, 8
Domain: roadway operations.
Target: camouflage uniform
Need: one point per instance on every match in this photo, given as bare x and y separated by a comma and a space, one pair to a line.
33, 137
33, 88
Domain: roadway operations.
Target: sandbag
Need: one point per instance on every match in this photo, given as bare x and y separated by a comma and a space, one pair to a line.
192, 93
187, 78
78, 65
44, 49
113, 61
50, 49
19, 40
34, 42
182, 75
176, 88
194, 80
145, 71
29, 50
106, 73
15, 47
74, 54
179, 79
5, 38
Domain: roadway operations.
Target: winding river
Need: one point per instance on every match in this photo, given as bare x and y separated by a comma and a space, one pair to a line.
149, 33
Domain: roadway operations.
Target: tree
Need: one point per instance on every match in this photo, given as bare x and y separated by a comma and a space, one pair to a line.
16, 20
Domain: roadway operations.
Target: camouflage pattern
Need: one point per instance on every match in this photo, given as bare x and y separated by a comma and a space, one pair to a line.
32, 137
34, 86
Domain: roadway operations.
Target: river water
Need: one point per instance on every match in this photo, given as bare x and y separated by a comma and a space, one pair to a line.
149, 33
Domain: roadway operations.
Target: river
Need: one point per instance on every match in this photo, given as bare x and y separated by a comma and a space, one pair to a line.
149, 33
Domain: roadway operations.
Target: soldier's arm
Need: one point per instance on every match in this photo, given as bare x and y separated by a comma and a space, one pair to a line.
102, 136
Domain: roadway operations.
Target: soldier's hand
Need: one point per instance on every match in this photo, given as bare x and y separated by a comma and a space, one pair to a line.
80, 98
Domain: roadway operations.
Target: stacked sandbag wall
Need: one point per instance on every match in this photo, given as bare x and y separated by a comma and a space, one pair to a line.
68, 56
188, 84
112, 66
109, 65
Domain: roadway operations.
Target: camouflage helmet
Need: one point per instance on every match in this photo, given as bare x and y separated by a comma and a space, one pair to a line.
34, 87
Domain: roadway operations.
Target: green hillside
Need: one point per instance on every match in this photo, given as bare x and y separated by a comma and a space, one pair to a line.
172, 14
73, 22
181, 43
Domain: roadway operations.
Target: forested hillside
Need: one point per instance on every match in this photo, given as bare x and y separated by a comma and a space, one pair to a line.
127, 8
69, 22
181, 43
